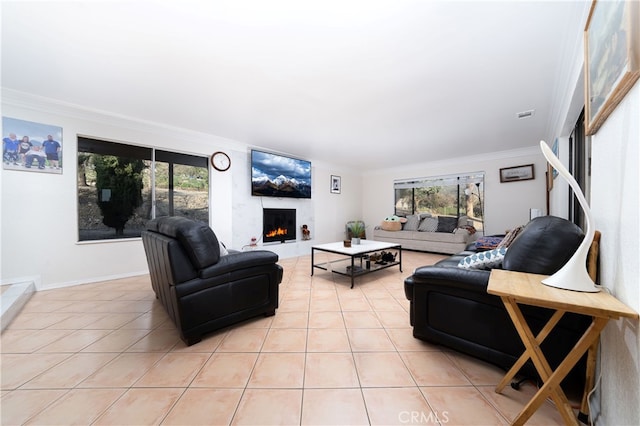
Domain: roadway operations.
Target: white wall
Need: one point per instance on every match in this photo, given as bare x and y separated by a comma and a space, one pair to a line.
39, 211
614, 202
506, 205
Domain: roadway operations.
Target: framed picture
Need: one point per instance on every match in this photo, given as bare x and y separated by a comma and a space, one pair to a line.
517, 173
335, 184
32, 147
612, 58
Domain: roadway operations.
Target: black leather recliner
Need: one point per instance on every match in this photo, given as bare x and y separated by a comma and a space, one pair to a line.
450, 306
201, 290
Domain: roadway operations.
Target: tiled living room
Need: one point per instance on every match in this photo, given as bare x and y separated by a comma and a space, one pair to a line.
330, 355
373, 97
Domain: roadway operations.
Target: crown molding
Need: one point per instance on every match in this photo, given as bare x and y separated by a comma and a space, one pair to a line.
41, 104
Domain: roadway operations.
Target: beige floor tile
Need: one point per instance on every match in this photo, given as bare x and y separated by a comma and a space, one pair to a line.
285, 340
324, 305
78, 407
259, 321
149, 320
327, 340
386, 305
433, 369
326, 320
112, 321
382, 369
355, 304
354, 355
76, 321
140, 407
173, 370
330, 370
159, 340
293, 305
398, 406
462, 406
36, 320
209, 343
290, 320
366, 319
123, 371
403, 340
75, 341
368, 340
333, 407
226, 370
269, 407
510, 402
20, 405
243, 340
278, 370
117, 341
18, 369
204, 407
70, 372
478, 372
394, 319
28, 341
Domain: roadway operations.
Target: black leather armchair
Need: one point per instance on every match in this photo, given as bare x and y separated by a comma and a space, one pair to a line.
450, 305
201, 290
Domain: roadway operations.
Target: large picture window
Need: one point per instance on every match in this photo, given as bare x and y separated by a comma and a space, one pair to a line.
452, 195
121, 187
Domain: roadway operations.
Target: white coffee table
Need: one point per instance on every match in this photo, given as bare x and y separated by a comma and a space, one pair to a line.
348, 266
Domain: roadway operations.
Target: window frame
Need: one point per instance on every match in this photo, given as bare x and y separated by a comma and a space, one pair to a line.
152, 155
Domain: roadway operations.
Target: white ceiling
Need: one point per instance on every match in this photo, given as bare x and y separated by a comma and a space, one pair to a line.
359, 83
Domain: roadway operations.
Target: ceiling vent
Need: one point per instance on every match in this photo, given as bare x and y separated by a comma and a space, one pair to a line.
526, 114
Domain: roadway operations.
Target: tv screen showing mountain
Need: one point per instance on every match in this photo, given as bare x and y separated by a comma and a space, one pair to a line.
274, 175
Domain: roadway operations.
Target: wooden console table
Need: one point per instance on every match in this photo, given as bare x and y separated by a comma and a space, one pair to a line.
522, 288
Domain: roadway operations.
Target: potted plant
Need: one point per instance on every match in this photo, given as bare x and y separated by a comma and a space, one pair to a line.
356, 230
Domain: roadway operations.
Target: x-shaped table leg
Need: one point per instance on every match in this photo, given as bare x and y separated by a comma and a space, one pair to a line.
551, 379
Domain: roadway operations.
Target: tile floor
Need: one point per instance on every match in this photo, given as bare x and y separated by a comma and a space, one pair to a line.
106, 353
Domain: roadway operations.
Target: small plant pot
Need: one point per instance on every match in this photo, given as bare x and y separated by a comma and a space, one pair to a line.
347, 243
355, 240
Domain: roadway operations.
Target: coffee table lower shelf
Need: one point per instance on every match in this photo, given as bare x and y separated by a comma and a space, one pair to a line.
354, 265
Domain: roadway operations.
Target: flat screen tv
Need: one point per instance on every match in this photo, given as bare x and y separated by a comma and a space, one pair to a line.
275, 175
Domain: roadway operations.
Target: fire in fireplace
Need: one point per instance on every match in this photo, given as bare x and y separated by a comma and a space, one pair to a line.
278, 225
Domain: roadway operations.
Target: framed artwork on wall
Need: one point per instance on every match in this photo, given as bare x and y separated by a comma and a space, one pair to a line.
612, 58
517, 173
336, 184
30, 146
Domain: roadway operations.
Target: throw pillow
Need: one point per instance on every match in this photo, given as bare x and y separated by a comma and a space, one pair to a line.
428, 224
484, 260
488, 243
447, 224
413, 221
511, 235
463, 221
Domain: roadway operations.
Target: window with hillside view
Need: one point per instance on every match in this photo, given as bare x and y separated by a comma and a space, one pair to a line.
121, 187
453, 195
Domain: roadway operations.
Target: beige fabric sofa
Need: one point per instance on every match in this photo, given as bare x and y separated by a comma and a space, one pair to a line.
436, 242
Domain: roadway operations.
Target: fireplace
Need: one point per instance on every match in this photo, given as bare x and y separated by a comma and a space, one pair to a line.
278, 225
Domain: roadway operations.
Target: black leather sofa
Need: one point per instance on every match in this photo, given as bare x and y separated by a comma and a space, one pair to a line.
201, 289
450, 305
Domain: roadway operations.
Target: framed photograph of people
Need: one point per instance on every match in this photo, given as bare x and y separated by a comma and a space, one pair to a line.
336, 184
30, 146
612, 58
